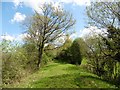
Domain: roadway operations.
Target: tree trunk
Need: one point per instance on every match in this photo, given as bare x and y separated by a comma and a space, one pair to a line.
40, 52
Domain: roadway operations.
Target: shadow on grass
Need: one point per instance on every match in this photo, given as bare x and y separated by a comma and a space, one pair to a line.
71, 81
94, 82
60, 61
60, 81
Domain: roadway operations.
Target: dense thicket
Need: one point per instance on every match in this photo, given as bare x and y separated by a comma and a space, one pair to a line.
104, 55
12, 62
18, 61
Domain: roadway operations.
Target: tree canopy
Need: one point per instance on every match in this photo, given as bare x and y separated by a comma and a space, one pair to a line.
48, 25
104, 14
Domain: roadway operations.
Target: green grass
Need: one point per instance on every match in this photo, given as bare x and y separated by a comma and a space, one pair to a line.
57, 75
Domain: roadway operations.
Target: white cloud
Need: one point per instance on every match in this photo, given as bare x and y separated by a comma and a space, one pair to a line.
16, 2
73, 36
18, 17
82, 2
92, 30
21, 37
77, 2
88, 32
35, 4
18, 38
7, 37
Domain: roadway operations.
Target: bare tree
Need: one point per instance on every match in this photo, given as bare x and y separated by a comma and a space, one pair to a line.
104, 14
48, 25
107, 15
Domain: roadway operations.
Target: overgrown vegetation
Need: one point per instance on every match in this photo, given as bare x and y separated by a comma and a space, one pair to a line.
105, 54
38, 54
57, 75
70, 52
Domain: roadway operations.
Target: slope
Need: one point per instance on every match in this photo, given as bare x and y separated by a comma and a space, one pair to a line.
59, 75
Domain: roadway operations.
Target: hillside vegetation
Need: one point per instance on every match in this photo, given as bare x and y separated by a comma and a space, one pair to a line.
60, 75
50, 58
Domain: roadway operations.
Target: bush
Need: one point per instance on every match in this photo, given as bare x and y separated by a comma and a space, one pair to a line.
64, 56
71, 54
16, 62
75, 52
101, 60
12, 70
45, 59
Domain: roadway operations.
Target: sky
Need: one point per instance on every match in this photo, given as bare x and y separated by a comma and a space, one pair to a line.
14, 13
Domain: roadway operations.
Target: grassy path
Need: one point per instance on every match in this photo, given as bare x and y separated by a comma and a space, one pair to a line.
56, 75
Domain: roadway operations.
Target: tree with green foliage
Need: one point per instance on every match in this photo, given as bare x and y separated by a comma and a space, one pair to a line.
107, 15
83, 47
71, 52
76, 52
47, 26
64, 53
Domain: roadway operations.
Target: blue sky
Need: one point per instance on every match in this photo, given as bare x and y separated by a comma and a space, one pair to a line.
8, 12
14, 12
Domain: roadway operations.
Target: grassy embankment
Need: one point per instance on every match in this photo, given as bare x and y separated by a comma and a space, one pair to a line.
59, 75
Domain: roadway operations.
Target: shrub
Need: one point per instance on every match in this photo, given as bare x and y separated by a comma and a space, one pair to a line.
75, 52
71, 54
45, 59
